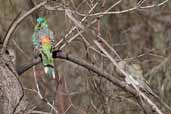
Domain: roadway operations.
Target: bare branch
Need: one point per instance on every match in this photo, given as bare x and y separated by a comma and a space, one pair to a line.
21, 50
85, 16
153, 105
17, 22
72, 29
40, 95
128, 10
76, 22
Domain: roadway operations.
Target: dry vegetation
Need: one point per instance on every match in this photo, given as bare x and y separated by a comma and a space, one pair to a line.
103, 41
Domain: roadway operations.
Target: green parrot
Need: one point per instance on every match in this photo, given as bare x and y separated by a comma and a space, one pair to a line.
43, 39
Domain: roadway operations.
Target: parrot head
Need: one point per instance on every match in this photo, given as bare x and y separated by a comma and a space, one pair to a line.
41, 23
40, 20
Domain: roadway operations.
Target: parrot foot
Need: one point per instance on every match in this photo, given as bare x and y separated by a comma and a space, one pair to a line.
57, 53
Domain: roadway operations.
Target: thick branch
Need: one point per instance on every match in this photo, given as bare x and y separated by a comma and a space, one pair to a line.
91, 67
23, 68
84, 64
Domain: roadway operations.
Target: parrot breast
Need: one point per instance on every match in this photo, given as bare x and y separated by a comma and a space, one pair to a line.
45, 40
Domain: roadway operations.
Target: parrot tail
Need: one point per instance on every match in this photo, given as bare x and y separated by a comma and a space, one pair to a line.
49, 70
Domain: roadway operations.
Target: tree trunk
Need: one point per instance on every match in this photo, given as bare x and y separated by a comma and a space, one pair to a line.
11, 92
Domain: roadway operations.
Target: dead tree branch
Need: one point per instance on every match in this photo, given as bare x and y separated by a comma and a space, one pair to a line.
91, 67
84, 64
140, 93
17, 22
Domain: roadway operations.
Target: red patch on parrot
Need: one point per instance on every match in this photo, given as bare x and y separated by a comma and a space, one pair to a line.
45, 40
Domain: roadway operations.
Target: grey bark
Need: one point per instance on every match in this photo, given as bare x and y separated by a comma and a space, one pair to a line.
11, 92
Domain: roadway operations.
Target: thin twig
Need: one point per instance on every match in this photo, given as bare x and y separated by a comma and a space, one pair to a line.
154, 5
115, 52
128, 10
87, 15
72, 29
38, 92
154, 106
17, 22
89, 45
73, 19
21, 50
67, 109
95, 108
39, 112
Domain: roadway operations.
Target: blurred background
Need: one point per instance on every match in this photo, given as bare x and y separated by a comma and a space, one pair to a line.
141, 36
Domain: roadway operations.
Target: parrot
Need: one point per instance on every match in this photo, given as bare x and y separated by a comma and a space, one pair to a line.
43, 39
